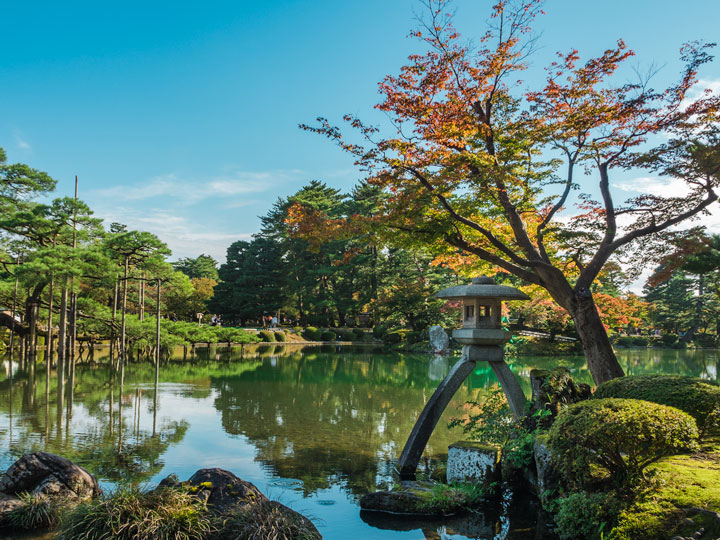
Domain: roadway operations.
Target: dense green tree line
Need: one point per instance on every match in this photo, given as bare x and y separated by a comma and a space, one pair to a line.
329, 283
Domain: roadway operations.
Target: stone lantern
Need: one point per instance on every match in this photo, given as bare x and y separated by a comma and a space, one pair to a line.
482, 338
482, 308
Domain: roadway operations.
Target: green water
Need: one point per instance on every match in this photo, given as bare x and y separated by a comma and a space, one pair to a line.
315, 428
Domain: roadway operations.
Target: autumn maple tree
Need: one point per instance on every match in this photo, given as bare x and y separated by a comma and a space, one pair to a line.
478, 165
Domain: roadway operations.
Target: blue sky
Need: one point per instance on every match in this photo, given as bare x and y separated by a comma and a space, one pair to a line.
181, 117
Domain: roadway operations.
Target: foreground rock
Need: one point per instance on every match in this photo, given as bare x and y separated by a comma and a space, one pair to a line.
55, 478
244, 506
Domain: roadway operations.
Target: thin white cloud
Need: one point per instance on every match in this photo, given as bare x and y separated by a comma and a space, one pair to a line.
700, 88
661, 187
192, 191
21, 143
184, 236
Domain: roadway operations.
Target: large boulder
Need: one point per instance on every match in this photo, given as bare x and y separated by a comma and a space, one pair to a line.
55, 479
243, 507
439, 340
222, 490
53, 476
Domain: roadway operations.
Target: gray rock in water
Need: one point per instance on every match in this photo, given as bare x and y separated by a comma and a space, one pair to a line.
225, 493
439, 340
396, 502
222, 490
57, 479
46, 474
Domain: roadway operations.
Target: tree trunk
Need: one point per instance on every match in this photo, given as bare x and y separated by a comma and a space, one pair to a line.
112, 327
599, 354
123, 310
141, 298
62, 331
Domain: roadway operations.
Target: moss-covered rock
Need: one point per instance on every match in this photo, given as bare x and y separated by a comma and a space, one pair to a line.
552, 390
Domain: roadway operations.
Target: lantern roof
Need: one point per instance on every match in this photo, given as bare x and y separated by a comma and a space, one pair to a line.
482, 287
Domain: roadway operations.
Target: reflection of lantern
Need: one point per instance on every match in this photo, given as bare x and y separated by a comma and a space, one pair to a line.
482, 337
482, 310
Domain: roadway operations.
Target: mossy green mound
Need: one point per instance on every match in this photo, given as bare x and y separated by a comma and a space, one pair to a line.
618, 436
700, 399
680, 484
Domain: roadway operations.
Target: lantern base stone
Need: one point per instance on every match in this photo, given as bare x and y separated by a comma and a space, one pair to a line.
481, 336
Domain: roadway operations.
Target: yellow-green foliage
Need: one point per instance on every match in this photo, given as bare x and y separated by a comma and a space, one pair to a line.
621, 436
700, 399
680, 483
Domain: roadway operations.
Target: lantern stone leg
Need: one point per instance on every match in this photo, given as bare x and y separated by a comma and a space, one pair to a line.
510, 385
430, 415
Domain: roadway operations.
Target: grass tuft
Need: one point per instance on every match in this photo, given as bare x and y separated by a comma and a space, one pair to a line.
36, 512
265, 520
129, 514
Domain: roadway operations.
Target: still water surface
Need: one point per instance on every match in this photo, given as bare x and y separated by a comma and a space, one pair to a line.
315, 428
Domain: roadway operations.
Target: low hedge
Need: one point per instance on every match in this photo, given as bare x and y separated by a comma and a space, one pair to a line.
311, 333
359, 334
328, 336
621, 436
267, 336
700, 399
393, 338
280, 336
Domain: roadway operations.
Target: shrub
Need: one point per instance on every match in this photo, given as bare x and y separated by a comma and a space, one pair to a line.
328, 335
621, 436
631, 341
280, 336
266, 519
298, 329
413, 337
267, 336
346, 335
705, 340
36, 512
584, 516
393, 338
700, 399
668, 339
379, 330
311, 334
129, 514
492, 422
359, 334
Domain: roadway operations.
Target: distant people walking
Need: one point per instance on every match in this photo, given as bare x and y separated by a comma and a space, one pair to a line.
274, 322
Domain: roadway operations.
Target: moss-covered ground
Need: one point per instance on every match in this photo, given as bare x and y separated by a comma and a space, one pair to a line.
679, 483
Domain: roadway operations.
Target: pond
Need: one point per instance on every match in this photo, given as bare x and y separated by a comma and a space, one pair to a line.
315, 428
